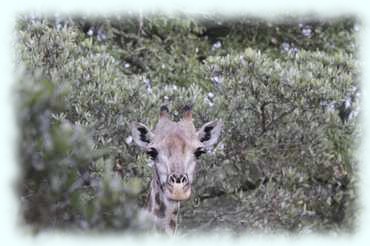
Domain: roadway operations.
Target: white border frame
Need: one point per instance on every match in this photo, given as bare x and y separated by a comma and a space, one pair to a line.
11, 230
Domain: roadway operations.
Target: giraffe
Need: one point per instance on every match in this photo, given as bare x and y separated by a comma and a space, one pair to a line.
174, 148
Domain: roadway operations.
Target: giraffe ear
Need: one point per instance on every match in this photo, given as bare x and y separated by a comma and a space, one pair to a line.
208, 134
141, 134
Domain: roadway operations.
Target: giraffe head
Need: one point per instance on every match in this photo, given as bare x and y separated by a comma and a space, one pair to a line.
174, 147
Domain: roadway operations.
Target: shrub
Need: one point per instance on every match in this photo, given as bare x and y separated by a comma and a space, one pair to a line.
287, 93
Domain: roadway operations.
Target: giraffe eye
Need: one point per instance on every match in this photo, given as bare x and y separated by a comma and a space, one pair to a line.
153, 153
199, 151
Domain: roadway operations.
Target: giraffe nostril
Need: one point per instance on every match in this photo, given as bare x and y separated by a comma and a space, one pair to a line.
172, 179
181, 179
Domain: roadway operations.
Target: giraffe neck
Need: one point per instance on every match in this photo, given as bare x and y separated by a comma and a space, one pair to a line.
163, 210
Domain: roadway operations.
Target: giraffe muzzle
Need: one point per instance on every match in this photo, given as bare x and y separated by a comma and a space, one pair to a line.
178, 187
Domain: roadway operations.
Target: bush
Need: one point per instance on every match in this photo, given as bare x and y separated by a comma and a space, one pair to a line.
287, 93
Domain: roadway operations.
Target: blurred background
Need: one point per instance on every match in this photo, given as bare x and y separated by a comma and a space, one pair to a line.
286, 89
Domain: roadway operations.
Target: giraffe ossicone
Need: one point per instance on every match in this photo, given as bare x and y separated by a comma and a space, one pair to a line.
174, 148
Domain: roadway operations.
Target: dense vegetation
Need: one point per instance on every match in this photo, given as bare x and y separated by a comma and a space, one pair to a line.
287, 92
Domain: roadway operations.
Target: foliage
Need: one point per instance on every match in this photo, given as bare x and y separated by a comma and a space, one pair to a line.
66, 181
286, 91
